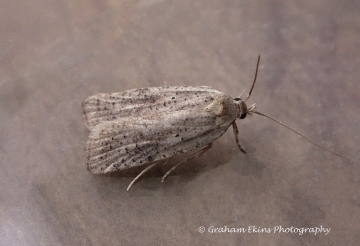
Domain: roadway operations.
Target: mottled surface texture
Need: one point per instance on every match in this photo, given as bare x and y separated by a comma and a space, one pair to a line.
54, 54
141, 126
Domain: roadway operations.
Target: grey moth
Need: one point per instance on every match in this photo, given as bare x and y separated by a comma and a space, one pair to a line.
148, 125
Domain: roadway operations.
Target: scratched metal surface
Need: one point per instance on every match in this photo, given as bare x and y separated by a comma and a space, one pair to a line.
55, 54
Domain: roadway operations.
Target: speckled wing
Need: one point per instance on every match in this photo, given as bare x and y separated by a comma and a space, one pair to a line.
145, 131
143, 102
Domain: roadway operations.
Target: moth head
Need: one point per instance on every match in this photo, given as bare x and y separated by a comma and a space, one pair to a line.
243, 110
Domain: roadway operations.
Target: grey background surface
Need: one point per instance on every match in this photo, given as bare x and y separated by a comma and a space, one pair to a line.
53, 54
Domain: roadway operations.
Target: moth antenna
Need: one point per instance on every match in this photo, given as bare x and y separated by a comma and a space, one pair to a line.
256, 72
298, 133
241, 93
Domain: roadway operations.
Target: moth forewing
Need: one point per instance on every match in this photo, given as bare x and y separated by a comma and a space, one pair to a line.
145, 101
192, 118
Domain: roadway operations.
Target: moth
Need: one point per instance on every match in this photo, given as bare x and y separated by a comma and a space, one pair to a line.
148, 125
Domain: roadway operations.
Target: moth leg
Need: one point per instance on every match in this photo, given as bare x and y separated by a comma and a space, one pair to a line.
236, 134
197, 154
140, 174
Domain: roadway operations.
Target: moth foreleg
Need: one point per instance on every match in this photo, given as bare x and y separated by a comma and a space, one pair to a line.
236, 134
197, 154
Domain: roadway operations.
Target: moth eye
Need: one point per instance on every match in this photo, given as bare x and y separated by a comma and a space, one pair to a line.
237, 99
243, 115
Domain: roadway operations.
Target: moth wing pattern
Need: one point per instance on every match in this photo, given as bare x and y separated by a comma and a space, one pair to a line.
144, 101
140, 129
